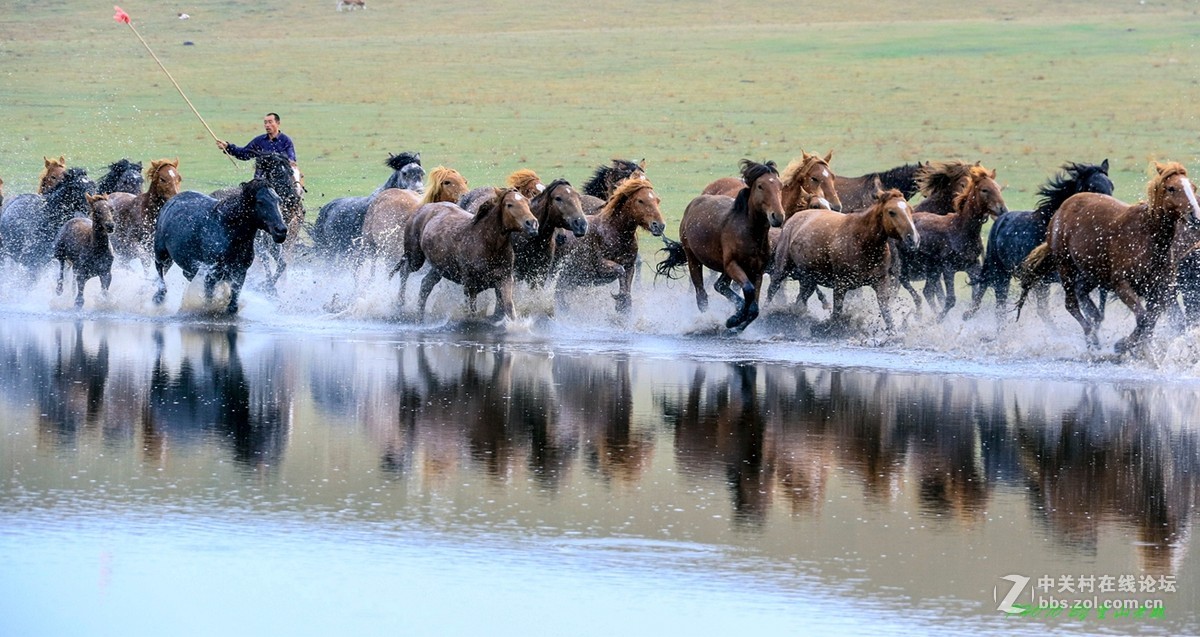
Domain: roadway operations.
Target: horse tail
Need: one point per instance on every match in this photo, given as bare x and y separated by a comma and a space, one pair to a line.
1034, 270
675, 258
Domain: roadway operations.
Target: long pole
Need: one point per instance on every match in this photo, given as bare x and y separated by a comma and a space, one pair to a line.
121, 16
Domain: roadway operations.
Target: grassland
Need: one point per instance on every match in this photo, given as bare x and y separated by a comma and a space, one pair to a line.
561, 87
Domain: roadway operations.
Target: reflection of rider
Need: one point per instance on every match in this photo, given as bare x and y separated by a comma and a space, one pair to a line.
273, 141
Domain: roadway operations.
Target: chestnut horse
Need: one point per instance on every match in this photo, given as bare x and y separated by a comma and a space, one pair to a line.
729, 235
135, 215
1098, 241
809, 173
474, 251
52, 173
390, 211
525, 181
858, 193
846, 251
940, 182
609, 250
83, 243
557, 206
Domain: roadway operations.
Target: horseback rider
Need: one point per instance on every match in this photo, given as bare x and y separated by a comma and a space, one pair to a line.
273, 141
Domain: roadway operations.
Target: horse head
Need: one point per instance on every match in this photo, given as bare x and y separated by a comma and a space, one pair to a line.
262, 203
445, 184
101, 211
526, 182
981, 194
636, 200
164, 178
560, 207
123, 176
1074, 179
68, 197
763, 191
607, 179
809, 173
1172, 191
897, 217
52, 173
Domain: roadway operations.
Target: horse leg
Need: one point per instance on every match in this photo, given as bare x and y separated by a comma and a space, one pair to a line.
722, 286
504, 300
236, 281
62, 266
80, 281
696, 273
162, 263
427, 284
625, 295
950, 298
1145, 314
883, 294
747, 304
916, 297
1071, 293
820, 297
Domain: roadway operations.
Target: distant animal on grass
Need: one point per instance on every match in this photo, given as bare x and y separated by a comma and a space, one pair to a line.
1017, 232
729, 235
609, 250
351, 5
339, 224
84, 245
846, 251
1098, 241
198, 232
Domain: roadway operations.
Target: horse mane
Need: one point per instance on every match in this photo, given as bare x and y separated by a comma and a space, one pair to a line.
522, 178
976, 174
623, 192
596, 185
751, 172
396, 162
116, 170
488, 206
902, 178
437, 192
1154, 190
1062, 185
61, 162
940, 176
74, 185
801, 165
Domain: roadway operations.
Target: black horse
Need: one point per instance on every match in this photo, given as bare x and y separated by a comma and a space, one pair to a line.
29, 223
604, 182
1016, 233
339, 223
122, 176
197, 231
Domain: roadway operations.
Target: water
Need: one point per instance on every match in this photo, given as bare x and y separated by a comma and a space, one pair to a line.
317, 466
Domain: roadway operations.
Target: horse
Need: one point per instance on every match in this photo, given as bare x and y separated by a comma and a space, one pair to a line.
809, 173
196, 231
285, 178
473, 250
29, 222
1096, 240
605, 180
858, 193
390, 211
556, 207
525, 181
1016, 233
608, 251
122, 176
1185, 253
940, 182
84, 243
952, 242
351, 5
846, 251
135, 215
729, 235
52, 172
340, 221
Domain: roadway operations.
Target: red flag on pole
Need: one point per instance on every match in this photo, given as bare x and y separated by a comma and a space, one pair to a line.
120, 15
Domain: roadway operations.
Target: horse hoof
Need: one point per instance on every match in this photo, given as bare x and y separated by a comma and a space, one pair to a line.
159, 297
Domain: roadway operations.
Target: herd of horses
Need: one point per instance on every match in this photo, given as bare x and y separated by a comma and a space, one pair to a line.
803, 223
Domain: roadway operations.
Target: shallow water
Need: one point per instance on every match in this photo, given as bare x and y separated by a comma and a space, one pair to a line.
319, 466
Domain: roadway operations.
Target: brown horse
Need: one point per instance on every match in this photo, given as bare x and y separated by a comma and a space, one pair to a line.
605, 181
52, 173
524, 181
809, 173
952, 242
135, 215
846, 251
83, 243
858, 193
391, 210
609, 250
1098, 241
940, 182
474, 251
729, 235
556, 207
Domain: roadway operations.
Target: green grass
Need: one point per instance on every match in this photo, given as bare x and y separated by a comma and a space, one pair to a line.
561, 87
